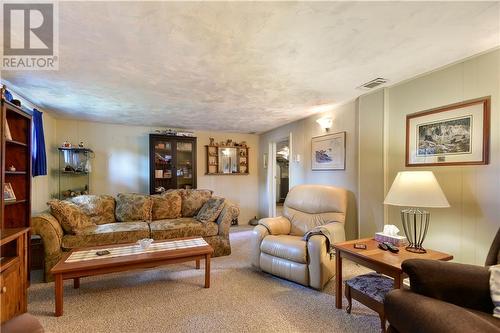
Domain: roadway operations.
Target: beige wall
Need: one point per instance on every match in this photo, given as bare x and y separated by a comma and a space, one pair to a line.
121, 162
375, 125
371, 163
344, 119
468, 227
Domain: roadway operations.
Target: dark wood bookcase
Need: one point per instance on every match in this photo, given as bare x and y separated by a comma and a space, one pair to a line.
15, 213
172, 162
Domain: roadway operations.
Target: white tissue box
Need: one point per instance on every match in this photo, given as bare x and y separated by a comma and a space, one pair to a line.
396, 240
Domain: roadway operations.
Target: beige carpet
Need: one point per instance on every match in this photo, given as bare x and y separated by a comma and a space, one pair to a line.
172, 299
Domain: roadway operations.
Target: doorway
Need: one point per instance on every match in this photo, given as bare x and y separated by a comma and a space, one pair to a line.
282, 179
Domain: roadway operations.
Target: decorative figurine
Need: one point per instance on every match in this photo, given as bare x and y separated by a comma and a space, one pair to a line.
212, 142
80, 145
66, 144
12, 168
243, 144
229, 142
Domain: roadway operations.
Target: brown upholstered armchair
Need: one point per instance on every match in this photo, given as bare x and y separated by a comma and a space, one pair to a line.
444, 297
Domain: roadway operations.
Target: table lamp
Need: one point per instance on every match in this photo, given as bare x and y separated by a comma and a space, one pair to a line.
416, 190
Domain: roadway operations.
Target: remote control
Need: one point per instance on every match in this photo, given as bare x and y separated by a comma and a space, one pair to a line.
391, 247
383, 246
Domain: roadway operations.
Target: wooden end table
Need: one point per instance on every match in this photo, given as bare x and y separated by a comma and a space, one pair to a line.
64, 270
384, 262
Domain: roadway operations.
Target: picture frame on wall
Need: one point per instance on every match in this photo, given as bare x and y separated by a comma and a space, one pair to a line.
8, 136
8, 193
328, 152
455, 134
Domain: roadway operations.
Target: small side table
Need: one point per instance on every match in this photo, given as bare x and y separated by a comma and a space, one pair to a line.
380, 261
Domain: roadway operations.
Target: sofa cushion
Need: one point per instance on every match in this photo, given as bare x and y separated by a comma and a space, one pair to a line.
193, 200
288, 247
69, 215
133, 207
166, 206
181, 227
99, 208
110, 233
210, 210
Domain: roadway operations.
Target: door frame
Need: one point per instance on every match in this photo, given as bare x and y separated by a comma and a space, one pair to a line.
271, 172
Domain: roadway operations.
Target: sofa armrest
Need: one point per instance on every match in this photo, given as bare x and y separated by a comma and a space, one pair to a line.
276, 225
460, 284
336, 230
46, 226
228, 214
409, 312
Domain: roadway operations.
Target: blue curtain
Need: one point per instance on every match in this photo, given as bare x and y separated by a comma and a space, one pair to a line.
39, 157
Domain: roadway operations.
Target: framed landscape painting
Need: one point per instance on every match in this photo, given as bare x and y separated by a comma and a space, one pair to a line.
456, 134
328, 152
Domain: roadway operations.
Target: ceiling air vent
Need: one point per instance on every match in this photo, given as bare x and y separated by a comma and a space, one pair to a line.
372, 84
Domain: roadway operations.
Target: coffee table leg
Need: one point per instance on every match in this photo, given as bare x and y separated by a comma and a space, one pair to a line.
197, 263
338, 280
207, 271
59, 294
76, 283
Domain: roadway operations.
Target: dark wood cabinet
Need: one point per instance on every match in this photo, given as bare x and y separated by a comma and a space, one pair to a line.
172, 162
15, 208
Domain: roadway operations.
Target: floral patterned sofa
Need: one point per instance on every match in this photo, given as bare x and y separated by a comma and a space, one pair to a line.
91, 220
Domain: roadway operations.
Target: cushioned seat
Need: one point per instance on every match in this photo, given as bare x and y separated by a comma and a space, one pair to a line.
109, 233
182, 227
373, 285
285, 246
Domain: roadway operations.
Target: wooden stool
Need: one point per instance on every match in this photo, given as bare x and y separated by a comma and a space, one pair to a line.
370, 290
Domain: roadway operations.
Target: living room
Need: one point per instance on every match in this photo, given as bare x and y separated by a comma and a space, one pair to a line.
195, 166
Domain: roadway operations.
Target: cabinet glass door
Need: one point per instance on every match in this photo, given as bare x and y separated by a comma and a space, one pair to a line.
184, 164
163, 172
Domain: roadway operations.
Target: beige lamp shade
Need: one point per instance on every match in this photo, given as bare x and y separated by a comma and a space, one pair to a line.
416, 189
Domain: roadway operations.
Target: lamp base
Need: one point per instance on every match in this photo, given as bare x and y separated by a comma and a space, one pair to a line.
415, 249
415, 225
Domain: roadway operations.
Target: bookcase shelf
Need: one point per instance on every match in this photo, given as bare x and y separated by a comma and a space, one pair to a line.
15, 215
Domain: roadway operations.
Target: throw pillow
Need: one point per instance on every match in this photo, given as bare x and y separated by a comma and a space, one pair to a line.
69, 215
99, 208
166, 206
193, 200
210, 210
133, 207
495, 289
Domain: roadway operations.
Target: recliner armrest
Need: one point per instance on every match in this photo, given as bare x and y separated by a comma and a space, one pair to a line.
460, 284
276, 225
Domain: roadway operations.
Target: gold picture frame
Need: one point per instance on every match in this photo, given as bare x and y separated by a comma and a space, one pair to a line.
8, 135
8, 193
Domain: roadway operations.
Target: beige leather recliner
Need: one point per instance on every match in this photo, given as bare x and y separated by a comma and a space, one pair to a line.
278, 245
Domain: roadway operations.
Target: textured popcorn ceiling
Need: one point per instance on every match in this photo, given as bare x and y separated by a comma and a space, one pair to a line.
243, 67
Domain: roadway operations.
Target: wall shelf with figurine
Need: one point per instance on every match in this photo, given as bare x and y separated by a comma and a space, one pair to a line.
227, 158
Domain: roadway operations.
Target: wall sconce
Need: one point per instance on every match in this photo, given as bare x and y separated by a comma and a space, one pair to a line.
325, 123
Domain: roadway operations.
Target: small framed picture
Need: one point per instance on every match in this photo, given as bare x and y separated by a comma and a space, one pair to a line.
328, 152
8, 136
8, 193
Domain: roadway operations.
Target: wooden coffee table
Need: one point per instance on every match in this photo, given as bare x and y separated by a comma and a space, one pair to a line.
124, 257
384, 262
